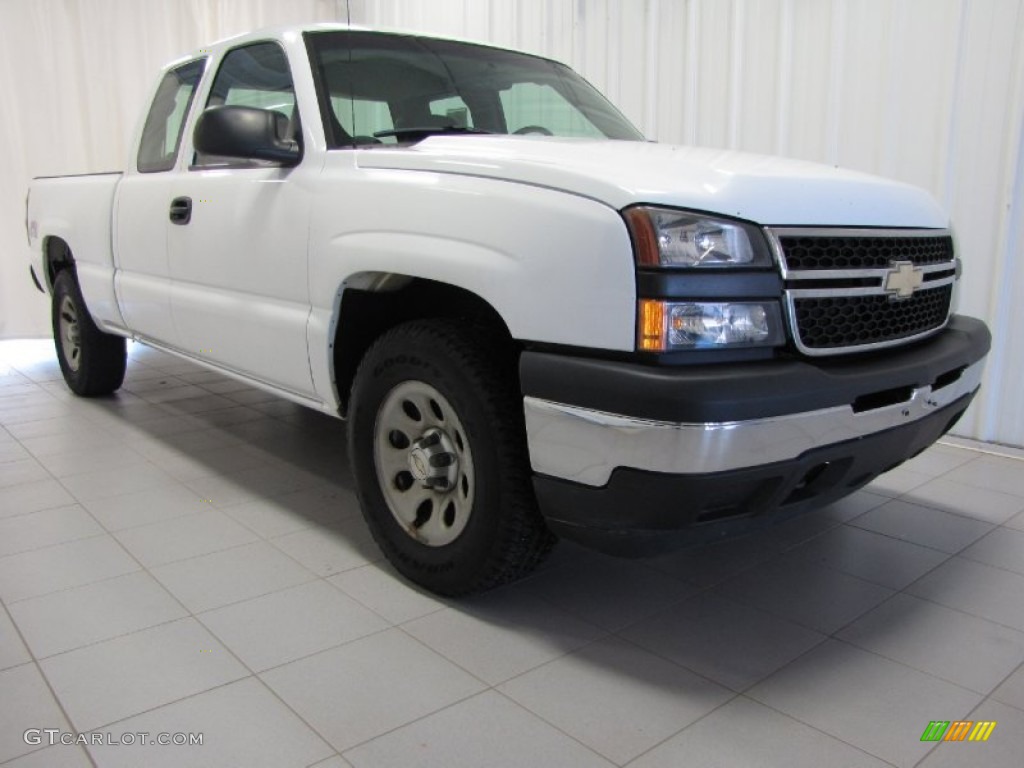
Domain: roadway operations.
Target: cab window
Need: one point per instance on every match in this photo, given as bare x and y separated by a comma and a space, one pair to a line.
255, 76
161, 133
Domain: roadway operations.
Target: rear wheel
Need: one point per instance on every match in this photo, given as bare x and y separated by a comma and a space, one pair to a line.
438, 452
92, 362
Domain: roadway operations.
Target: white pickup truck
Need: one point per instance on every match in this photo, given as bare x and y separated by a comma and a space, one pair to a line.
536, 323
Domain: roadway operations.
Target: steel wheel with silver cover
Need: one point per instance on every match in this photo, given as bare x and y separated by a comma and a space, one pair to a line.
437, 444
69, 333
424, 463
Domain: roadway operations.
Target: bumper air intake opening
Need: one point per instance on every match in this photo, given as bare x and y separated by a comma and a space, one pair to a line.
720, 513
818, 479
882, 399
948, 378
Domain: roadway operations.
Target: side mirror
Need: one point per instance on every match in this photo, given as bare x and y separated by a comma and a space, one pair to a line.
247, 132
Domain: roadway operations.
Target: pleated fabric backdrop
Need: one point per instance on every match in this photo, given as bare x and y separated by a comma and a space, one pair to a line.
74, 78
926, 91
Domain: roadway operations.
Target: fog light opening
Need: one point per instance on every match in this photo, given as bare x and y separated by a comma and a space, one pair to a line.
806, 487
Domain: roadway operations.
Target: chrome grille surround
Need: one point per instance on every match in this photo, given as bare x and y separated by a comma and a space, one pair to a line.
919, 250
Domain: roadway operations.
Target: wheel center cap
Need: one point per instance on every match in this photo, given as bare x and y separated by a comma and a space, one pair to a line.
419, 464
433, 461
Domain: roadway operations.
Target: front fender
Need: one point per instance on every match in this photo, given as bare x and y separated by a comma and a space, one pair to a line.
556, 267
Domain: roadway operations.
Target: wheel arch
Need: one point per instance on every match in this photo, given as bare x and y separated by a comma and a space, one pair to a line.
370, 304
57, 256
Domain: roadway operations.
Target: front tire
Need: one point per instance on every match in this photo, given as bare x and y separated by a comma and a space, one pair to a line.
438, 452
92, 362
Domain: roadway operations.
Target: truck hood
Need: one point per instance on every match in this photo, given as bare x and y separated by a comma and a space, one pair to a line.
772, 191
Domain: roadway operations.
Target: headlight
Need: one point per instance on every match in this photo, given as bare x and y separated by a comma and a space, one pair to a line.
663, 237
667, 326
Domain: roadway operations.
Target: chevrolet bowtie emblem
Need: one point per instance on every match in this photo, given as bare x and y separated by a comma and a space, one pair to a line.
902, 280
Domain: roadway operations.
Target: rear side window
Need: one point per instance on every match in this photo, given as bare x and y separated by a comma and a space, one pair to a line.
255, 76
161, 135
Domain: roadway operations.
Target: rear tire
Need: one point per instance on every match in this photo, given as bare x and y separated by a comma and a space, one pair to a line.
92, 362
438, 452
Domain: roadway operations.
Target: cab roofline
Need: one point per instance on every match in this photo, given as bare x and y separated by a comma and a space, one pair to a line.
286, 31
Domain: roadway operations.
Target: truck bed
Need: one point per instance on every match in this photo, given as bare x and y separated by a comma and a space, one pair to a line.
78, 208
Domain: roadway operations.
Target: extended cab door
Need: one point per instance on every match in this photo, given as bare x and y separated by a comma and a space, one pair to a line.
238, 261
142, 209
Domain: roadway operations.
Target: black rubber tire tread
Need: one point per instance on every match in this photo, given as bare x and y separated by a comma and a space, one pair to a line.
515, 537
104, 356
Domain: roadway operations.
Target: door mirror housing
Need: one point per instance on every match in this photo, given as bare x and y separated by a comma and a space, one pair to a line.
245, 132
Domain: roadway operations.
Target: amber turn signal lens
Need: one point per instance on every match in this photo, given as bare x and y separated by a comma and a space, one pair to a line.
645, 239
651, 331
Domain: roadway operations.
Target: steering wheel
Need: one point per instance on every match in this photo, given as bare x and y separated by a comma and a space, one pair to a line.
532, 129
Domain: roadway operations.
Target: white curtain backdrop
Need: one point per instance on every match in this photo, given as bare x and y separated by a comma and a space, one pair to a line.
926, 91
74, 76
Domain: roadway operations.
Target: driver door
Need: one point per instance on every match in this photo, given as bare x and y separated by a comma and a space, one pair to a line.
238, 260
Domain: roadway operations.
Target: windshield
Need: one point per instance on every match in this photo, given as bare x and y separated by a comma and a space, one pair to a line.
379, 88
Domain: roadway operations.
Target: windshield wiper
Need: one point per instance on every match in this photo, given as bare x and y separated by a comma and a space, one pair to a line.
422, 131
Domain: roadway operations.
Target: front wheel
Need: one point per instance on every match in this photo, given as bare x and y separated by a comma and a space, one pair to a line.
438, 452
92, 362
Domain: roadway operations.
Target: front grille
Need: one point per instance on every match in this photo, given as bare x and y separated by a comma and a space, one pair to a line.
863, 251
853, 289
849, 321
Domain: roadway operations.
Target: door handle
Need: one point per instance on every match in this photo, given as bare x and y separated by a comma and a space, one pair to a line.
181, 210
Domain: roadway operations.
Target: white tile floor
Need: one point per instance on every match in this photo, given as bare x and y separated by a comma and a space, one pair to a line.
188, 556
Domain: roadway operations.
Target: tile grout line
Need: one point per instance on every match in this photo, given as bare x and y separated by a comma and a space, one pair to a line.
46, 681
227, 648
974, 709
978, 446
189, 614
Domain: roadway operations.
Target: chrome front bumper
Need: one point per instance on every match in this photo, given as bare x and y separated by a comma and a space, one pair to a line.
585, 446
